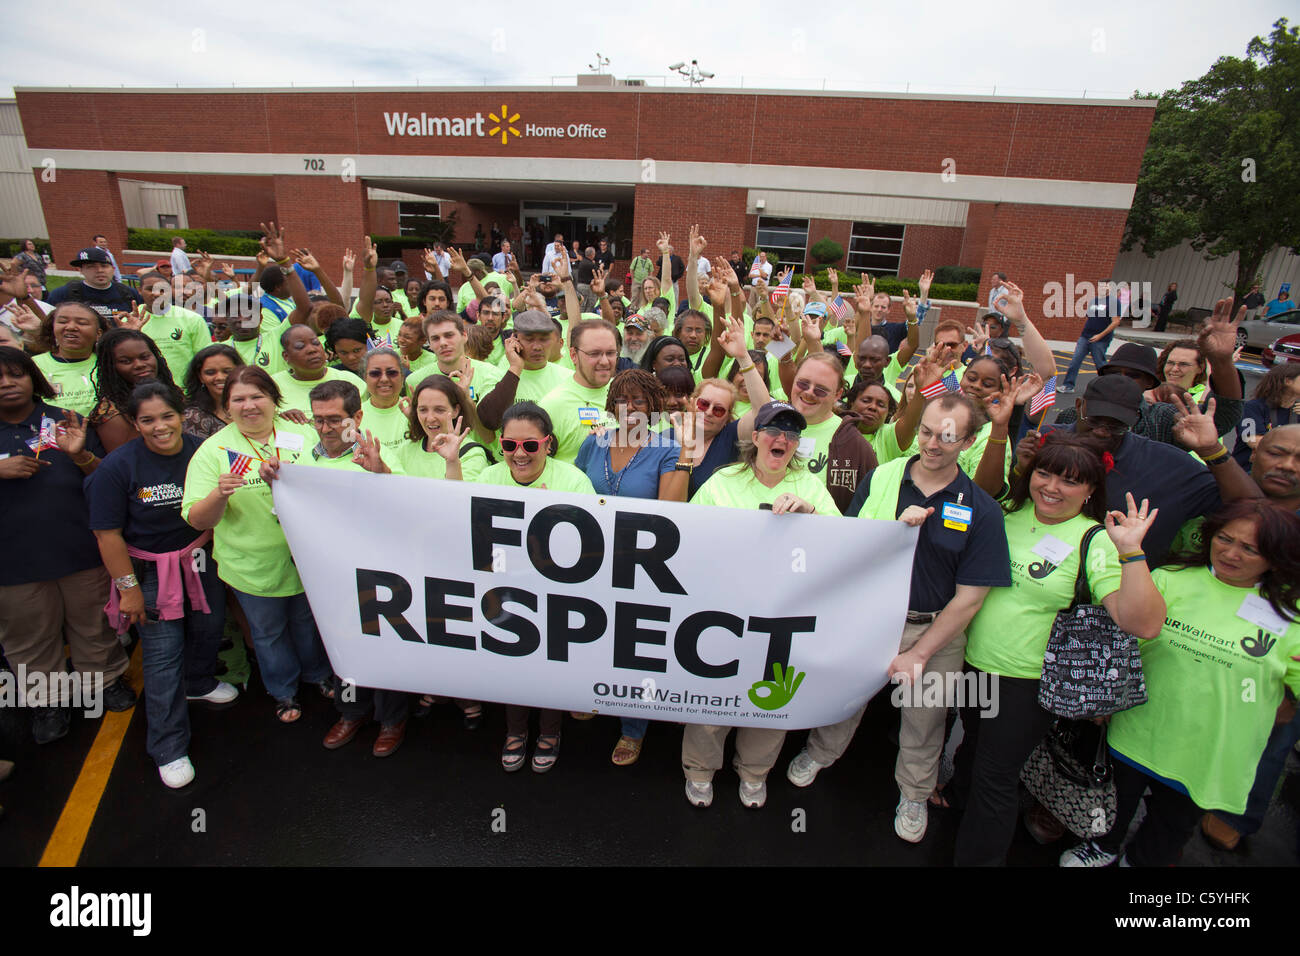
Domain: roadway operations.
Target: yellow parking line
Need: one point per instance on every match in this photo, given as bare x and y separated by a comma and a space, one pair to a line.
69, 836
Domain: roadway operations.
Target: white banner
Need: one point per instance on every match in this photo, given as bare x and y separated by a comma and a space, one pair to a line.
613, 605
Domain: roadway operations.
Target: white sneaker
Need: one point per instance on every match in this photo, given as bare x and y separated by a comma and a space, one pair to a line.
803, 770
223, 693
699, 794
753, 795
910, 819
178, 773
1087, 854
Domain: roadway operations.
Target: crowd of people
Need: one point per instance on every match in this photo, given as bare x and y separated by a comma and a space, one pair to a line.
141, 431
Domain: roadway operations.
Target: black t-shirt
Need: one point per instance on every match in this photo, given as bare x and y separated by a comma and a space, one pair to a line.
44, 534
677, 265
1253, 301
895, 333
140, 492
605, 258
586, 271
116, 298
976, 555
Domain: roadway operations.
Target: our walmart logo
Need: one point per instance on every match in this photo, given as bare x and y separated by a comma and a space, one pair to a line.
778, 692
504, 124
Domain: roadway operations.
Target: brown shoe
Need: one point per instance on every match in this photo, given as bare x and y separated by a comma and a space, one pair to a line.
1219, 833
342, 732
1042, 825
390, 738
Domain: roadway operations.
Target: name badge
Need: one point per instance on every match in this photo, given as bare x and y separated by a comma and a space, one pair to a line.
807, 446
589, 416
957, 517
289, 442
1260, 613
1053, 549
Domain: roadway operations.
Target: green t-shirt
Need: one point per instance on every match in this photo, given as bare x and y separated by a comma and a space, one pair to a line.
815, 444
179, 335
556, 476
1214, 682
421, 365
885, 443
388, 425
736, 487
73, 387
412, 459
575, 412
272, 322
889, 375
294, 393
263, 351
343, 462
387, 334
482, 381
249, 547
1009, 633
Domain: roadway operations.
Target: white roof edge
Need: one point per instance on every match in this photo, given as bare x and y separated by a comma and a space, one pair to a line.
681, 91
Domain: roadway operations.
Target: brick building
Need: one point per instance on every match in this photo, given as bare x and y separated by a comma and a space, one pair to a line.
1036, 188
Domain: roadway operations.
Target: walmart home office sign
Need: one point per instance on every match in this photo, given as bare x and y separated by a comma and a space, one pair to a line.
620, 606
497, 124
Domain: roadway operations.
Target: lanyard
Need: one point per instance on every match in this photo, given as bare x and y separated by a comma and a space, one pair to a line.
256, 454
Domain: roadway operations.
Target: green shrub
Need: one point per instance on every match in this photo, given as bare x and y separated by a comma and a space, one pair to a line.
965, 292
234, 243
827, 251
957, 275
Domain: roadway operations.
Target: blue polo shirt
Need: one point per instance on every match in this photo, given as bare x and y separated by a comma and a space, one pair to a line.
971, 551
639, 477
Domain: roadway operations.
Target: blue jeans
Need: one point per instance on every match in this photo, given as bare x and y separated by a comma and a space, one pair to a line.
634, 727
179, 658
1082, 349
1271, 764
286, 642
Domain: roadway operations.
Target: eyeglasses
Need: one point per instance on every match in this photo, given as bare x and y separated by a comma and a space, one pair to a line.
804, 385
529, 445
334, 421
771, 431
612, 354
924, 434
711, 408
1180, 365
384, 373
635, 403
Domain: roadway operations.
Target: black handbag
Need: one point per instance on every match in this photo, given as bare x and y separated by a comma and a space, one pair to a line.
1091, 668
1078, 792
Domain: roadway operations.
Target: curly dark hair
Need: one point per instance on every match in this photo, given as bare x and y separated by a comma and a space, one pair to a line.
636, 383
110, 385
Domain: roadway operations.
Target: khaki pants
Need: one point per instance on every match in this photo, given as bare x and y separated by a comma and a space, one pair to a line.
37, 619
920, 732
756, 751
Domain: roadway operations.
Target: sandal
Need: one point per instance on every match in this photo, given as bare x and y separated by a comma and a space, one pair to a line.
425, 705
472, 719
546, 753
287, 709
626, 751
326, 688
937, 799
512, 758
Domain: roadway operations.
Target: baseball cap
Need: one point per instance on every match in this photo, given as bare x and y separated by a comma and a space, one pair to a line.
531, 320
780, 413
91, 254
815, 308
397, 265
1113, 396
1135, 357
637, 322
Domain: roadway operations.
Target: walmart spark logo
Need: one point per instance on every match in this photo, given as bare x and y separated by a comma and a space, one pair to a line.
504, 124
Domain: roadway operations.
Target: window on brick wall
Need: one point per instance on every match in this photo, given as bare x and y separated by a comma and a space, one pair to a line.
876, 247
787, 238
418, 218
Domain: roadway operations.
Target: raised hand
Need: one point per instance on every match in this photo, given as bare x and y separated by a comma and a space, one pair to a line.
1026, 449
306, 260
909, 305
273, 242
717, 292
598, 281
929, 369
447, 444
458, 262
722, 269
664, 242
27, 321
1030, 385
1128, 530
1012, 305
349, 260
368, 454
13, 281
863, 294
698, 242
809, 286
561, 268
202, 263
228, 271
1194, 428
732, 340
71, 435
979, 339
923, 285
1002, 402
514, 349
1218, 336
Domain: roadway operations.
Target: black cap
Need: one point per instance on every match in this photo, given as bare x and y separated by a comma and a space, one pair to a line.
89, 255
397, 265
1134, 356
780, 413
1113, 396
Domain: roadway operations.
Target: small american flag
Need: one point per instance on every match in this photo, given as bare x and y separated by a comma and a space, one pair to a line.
781, 291
239, 463
839, 308
49, 433
948, 383
1044, 399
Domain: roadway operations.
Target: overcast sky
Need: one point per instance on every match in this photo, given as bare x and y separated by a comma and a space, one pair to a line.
1052, 48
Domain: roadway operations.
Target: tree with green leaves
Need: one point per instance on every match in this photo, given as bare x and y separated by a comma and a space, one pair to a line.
1222, 165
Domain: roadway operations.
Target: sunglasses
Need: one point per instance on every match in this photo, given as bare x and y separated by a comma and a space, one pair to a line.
712, 408
771, 431
529, 445
384, 373
806, 386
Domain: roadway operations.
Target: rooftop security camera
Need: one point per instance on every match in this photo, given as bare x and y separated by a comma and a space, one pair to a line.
677, 66
706, 74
